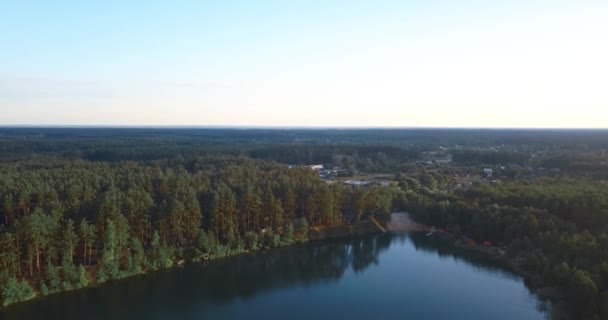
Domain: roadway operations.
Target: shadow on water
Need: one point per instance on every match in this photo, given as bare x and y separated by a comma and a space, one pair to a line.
226, 280
448, 251
477, 260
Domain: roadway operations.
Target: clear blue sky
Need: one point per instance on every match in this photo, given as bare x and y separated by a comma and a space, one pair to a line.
521, 63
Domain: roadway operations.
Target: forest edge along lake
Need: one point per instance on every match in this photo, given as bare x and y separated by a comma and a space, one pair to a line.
392, 275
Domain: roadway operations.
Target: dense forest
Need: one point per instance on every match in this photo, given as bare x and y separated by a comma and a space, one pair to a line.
64, 222
84, 206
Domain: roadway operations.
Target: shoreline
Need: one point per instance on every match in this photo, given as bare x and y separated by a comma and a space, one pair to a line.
393, 226
314, 234
342, 231
551, 294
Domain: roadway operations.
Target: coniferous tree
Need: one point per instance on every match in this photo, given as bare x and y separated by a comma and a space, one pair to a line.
160, 256
83, 281
109, 264
38, 229
70, 239
87, 238
16, 291
138, 256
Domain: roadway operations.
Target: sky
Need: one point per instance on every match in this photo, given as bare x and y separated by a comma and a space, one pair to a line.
382, 63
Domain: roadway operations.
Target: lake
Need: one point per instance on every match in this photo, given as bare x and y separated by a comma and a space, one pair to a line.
383, 276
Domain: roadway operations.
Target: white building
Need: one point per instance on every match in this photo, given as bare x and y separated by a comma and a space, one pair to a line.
316, 167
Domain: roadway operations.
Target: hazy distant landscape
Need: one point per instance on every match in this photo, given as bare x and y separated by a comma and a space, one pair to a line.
85, 206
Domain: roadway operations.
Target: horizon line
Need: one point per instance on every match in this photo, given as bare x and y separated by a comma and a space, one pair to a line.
279, 127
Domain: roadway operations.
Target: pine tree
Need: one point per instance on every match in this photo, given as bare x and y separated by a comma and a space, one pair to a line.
87, 238
9, 254
202, 242
137, 255
38, 227
83, 281
109, 266
53, 277
288, 236
69, 241
16, 291
302, 229
160, 254
252, 240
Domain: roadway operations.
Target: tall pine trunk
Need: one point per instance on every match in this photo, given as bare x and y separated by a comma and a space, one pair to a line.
37, 248
84, 253
31, 266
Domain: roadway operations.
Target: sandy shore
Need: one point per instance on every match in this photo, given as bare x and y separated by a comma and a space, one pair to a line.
401, 222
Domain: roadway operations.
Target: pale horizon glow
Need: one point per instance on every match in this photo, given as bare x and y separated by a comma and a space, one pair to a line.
438, 63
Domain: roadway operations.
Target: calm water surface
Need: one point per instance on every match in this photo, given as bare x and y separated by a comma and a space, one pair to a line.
388, 277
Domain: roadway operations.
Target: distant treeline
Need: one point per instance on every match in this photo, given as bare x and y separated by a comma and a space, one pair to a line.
369, 150
490, 157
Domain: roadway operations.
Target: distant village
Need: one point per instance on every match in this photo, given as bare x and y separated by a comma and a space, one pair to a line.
436, 160
343, 176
